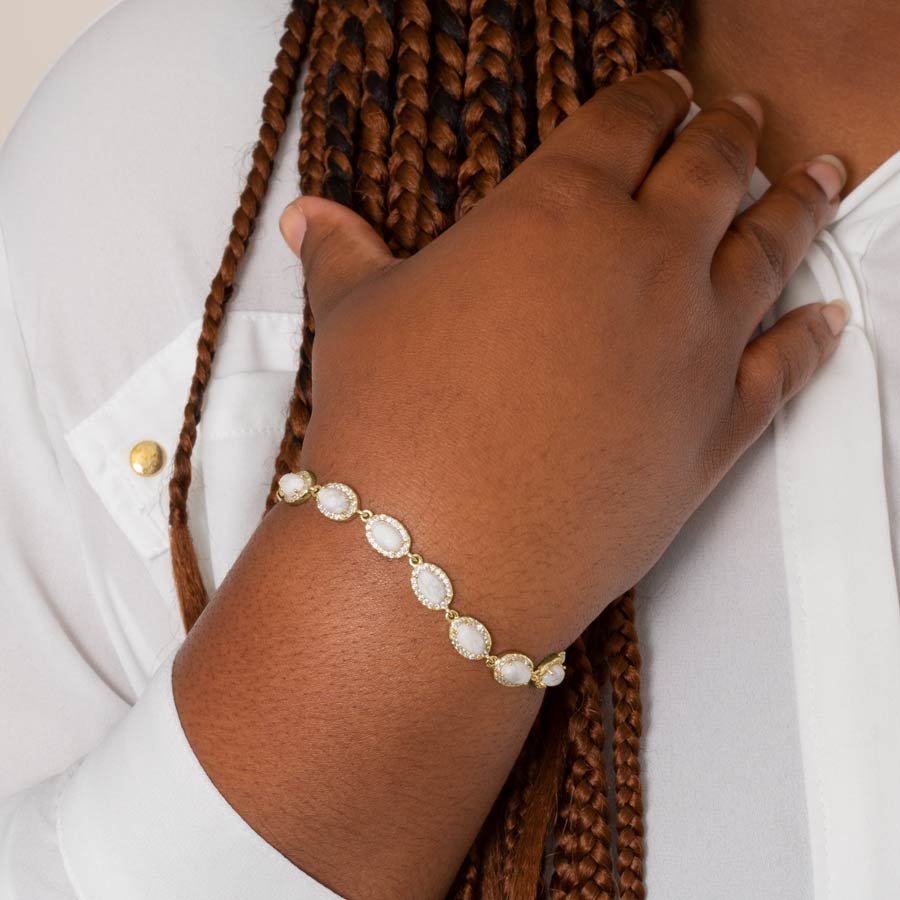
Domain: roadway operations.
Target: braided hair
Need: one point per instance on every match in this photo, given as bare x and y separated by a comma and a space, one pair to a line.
412, 111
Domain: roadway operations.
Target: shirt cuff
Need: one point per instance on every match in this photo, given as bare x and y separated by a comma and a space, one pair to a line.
140, 818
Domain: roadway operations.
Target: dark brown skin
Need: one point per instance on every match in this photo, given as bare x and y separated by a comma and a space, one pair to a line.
543, 421
825, 72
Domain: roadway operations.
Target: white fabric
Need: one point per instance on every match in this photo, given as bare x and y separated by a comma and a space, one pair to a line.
770, 627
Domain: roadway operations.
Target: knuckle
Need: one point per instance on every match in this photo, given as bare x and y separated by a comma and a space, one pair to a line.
717, 151
806, 201
560, 192
818, 336
758, 391
560, 182
732, 152
638, 106
792, 371
770, 254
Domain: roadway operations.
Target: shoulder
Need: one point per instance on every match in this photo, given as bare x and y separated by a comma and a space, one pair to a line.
119, 179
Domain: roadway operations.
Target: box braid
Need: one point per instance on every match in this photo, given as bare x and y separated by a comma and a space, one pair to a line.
375, 114
412, 111
445, 106
618, 44
665, 35
487, 91
276, 105
410, 128
342, 105
584, 18
557, 78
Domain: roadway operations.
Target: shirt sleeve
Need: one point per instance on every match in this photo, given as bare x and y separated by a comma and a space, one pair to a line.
131, 812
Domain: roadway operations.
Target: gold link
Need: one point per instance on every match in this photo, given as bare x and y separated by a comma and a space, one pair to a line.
315, 488
491, 661
450, 614
365, 514
414, 559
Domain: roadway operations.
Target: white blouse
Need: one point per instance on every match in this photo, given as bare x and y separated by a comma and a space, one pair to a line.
770, 628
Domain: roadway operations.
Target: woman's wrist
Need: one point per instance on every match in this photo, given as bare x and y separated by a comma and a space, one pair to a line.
515, 564
315, 695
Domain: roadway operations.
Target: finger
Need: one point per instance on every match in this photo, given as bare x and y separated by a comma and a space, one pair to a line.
337, 249
777, 364
706, 171
767, 242
621, 128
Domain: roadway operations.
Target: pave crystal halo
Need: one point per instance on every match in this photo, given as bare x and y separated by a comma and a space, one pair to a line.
387, 536
513, 669
470, 638
431, 585
337, 501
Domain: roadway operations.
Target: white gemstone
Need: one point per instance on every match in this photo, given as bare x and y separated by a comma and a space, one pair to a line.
431, 585
337, 501
513, 669
470, 638
553, 675
333, 500
294, 485
387, 536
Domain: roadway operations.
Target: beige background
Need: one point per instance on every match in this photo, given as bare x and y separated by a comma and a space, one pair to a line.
33, 35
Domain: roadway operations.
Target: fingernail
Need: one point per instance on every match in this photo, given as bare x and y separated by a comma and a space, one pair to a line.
836, 314
749, 104
829, 173
682, 80
293, 226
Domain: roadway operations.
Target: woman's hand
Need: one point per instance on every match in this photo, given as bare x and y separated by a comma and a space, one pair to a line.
572, 367
542, 396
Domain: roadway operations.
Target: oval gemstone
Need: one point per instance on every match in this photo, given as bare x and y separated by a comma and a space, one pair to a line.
294, 486
387, 536
337, 501
470, 638
513, 669
431, 585
553, 675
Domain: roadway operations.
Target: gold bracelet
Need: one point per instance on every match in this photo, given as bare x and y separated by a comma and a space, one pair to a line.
340, 503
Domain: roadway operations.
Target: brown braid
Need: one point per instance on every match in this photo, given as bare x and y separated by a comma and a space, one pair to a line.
518, 106
583, 863
618, 41
624, 661
487, 93
467, 885
410, 127
525, 71
411, 124
514, 854
299, 409
375, 113
584, 17
315, 92
665, 35
342, 108
445, 107
276, 103
557, 95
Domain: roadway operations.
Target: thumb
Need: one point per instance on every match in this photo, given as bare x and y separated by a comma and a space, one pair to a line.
337, 249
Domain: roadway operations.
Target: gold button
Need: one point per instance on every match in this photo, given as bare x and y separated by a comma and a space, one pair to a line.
147, 458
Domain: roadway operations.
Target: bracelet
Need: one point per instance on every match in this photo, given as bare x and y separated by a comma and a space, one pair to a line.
469, 637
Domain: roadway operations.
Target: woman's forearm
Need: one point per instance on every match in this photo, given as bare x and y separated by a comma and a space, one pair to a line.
329, 707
